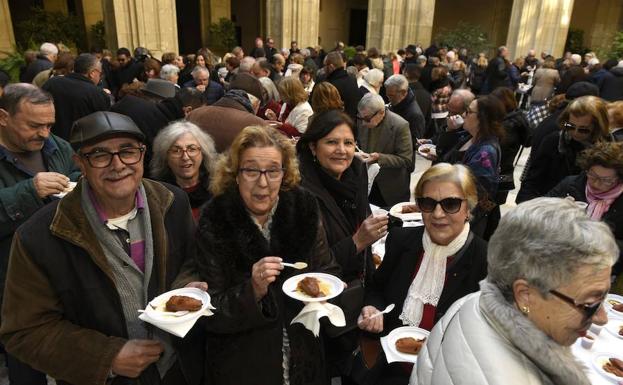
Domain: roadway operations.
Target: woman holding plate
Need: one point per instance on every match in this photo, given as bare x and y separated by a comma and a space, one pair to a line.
548, 276
258, 218
426, 269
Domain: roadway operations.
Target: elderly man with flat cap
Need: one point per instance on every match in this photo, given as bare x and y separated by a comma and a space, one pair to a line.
82, 267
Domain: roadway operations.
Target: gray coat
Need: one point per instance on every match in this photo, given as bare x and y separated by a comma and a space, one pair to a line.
396, 156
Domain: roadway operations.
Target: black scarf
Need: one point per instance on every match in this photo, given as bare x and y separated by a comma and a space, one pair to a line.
343, 191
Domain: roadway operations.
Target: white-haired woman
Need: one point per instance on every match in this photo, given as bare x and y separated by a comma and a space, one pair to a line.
185, 156
171, 73
548, 274
371, 82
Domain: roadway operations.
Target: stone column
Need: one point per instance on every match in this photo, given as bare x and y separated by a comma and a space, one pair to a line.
211, 12
539, 24
7, 39
288, 20
146, 23
393, 24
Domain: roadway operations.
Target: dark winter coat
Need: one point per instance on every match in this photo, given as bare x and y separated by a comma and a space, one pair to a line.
245, 336
612, 89
348, 89
41, 63
410, 111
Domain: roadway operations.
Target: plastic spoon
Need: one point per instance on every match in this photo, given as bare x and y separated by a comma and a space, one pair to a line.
389, 308
296, 265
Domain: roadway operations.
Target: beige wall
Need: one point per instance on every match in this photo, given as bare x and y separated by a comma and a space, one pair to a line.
93, 11
599, 19
55, 6
288, 20
491, 15
7, 40
335, 21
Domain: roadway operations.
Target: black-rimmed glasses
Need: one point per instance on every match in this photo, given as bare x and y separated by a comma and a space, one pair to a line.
368, 120
573, 127
588, 310
103, 158
253, 174
448, 205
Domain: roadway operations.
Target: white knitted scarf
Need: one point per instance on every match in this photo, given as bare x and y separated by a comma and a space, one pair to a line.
428, 283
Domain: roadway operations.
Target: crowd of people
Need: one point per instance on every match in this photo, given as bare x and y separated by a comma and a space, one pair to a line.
125, 176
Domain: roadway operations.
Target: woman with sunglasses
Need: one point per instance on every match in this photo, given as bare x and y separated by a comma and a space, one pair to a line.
600, 185
548, 275
426, 269
184, 155
582, 124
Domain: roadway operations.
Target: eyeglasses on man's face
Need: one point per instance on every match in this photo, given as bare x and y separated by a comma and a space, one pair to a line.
588, 310
178, 152
101, 158
448, 205
253, 174
368, 119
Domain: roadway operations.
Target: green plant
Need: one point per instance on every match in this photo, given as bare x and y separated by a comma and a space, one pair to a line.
616, 49
465, 35
11, 63
222, 35
349, 52
98, 34
54, 27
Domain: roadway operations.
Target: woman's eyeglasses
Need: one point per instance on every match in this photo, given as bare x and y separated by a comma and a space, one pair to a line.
448, 205
253, 174
606, 181
588, 310
178, 152
572, 127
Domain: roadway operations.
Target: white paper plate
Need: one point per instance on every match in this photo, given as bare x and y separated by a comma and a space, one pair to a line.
404, 332
334, 284
614, 325
159, 314
71, 186
600, 359
610, 298
396, 211
432, 150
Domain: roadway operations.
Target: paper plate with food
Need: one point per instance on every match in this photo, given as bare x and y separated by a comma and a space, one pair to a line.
427, 150
615, 327
313, 287
177, 306
405, 343
407, 211
614, 304
609, 365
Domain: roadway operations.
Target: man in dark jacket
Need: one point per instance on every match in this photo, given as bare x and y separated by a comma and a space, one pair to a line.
34, 166
236, 110
497, 71
612, 90
403, 103
346, 85
48, 53
86, 264
212, 91
422, 96
126, 71
77, 94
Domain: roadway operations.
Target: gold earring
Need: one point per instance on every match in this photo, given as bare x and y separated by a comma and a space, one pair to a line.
525, 309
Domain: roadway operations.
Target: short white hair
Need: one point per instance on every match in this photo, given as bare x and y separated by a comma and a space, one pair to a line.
397, 81
374, 77
592, 62
168, 71
371, 102
199, 69
545, 241
48, 49
576, 59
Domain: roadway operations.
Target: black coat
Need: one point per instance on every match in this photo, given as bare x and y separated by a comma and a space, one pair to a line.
337, 227
41, 63
245, 336
575, 186
390, 283
496, 75
75, 96
348, 89
546, 127
517, 133
612, 89
553, 160
410, 111
424, 100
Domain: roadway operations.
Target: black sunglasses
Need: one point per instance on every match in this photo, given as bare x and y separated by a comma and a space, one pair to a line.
588, 310
448, 205
573, 127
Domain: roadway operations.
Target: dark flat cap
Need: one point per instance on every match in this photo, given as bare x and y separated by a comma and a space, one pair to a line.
159, 87
248, 83
581, 89
100, 126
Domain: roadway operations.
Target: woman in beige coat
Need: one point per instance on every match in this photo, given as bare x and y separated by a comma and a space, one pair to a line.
545, 79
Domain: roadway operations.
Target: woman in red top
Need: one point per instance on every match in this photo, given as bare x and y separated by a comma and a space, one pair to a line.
425, 269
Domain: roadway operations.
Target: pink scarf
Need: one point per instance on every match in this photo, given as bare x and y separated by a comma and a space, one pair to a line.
599, 202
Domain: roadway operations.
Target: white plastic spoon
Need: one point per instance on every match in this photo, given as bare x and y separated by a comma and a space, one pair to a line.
389, 308
296, 265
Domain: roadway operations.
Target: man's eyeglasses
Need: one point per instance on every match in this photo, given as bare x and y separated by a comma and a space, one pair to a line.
606, 181
368, 120
573, 127
178, 152
253, 174
448, 205
469, 111
588, 310
103, 158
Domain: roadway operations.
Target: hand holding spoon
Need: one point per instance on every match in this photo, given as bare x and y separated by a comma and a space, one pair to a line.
389, 308
296, 265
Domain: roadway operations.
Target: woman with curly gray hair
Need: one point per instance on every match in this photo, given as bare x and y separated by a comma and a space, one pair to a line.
184, 155
548, 274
